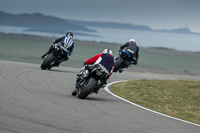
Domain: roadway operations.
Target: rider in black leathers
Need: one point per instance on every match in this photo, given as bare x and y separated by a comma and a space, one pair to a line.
133, 46
68, 45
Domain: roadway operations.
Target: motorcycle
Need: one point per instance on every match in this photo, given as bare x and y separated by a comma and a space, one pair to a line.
52, 57
90, 82
124, 59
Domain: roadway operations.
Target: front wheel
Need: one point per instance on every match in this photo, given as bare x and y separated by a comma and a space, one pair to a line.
47, 61
118, 64
84, 92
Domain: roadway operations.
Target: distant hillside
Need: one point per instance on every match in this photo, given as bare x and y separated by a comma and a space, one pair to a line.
40, 22
180, 30
111, 25
43, 23
129, 26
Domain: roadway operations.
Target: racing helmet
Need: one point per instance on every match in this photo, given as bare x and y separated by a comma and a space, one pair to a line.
132, 40
107, 51
69, 34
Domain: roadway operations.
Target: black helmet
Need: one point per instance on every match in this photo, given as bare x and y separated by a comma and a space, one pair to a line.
69, 34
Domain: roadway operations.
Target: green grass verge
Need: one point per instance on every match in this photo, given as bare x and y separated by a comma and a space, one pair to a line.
177, 98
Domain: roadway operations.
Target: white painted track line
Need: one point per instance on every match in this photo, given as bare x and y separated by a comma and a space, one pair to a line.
107, 89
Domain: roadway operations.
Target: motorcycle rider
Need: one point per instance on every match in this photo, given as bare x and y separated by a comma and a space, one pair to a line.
105, 60
131, 44
68, 45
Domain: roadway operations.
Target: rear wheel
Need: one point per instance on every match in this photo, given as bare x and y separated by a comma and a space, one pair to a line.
47, 61
118, 64
85, 91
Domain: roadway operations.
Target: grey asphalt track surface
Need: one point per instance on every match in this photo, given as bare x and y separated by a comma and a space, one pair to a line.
40, 101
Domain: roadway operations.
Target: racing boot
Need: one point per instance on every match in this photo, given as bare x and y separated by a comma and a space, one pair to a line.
96, 90
121, 70
75, 90
49, 68
56, 63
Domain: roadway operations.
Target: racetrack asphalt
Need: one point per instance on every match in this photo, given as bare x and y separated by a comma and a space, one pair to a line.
40, 101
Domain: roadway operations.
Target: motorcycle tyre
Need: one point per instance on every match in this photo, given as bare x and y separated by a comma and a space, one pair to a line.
88, 89
47, 61
118, 64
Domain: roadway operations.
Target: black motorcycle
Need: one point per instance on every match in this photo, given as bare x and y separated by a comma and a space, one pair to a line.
52, 57
90, 82
124, 60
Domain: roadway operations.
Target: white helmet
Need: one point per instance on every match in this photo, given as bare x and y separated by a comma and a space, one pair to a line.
132, 40
107, 51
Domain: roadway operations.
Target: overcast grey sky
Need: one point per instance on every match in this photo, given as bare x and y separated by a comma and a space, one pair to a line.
157, 14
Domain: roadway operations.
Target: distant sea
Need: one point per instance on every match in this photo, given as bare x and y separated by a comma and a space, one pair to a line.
183, 42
